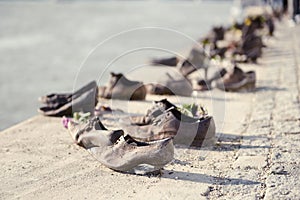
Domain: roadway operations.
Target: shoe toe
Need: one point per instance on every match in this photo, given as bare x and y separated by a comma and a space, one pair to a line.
73, 129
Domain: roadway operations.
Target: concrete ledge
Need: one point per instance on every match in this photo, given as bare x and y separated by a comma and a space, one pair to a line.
256, 156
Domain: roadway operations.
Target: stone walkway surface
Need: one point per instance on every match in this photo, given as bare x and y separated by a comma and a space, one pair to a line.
257, 155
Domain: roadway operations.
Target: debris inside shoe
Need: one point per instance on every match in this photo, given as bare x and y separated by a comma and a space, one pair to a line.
81, 117
193, 110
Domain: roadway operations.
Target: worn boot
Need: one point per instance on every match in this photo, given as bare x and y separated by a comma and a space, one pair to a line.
237, 80
203, 85
183, 129
66, 97
83, 102
128, 153
119, 87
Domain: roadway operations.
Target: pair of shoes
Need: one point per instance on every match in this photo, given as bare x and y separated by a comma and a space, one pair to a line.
237, 80
119, 87
164, 120
82, 100
118, 151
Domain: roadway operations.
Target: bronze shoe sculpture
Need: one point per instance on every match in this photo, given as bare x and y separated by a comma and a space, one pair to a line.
184, 130
59, 98
237, 80
119, 152
129, 153
119, 87
171, 61
203, 85
83, 101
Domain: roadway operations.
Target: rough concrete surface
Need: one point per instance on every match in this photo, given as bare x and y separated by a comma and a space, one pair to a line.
257, 155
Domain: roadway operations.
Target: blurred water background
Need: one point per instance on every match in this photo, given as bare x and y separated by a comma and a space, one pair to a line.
44, 43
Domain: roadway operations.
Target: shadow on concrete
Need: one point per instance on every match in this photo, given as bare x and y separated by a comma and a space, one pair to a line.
232, 137
232, 147
203, 178
228, 142
197, 177
277, 53
267, 88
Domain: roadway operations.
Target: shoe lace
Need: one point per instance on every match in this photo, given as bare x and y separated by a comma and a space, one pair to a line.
90, 124
163, 117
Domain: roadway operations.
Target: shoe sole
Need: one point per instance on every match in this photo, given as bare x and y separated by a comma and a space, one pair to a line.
244, 88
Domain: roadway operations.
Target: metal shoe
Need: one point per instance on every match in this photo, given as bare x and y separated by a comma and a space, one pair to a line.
83, 102
183, 129
128, 153
171, 61
63, 98
237, 80
119, 152
119, 87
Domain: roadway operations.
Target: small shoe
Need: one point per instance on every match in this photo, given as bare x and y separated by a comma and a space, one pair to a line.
172, 61
55, 98
119, 152
119, 87
85, 102
64, 98
203, 85
128, 153
237, 80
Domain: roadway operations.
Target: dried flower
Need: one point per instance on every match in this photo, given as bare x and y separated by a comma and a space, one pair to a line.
65, 121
